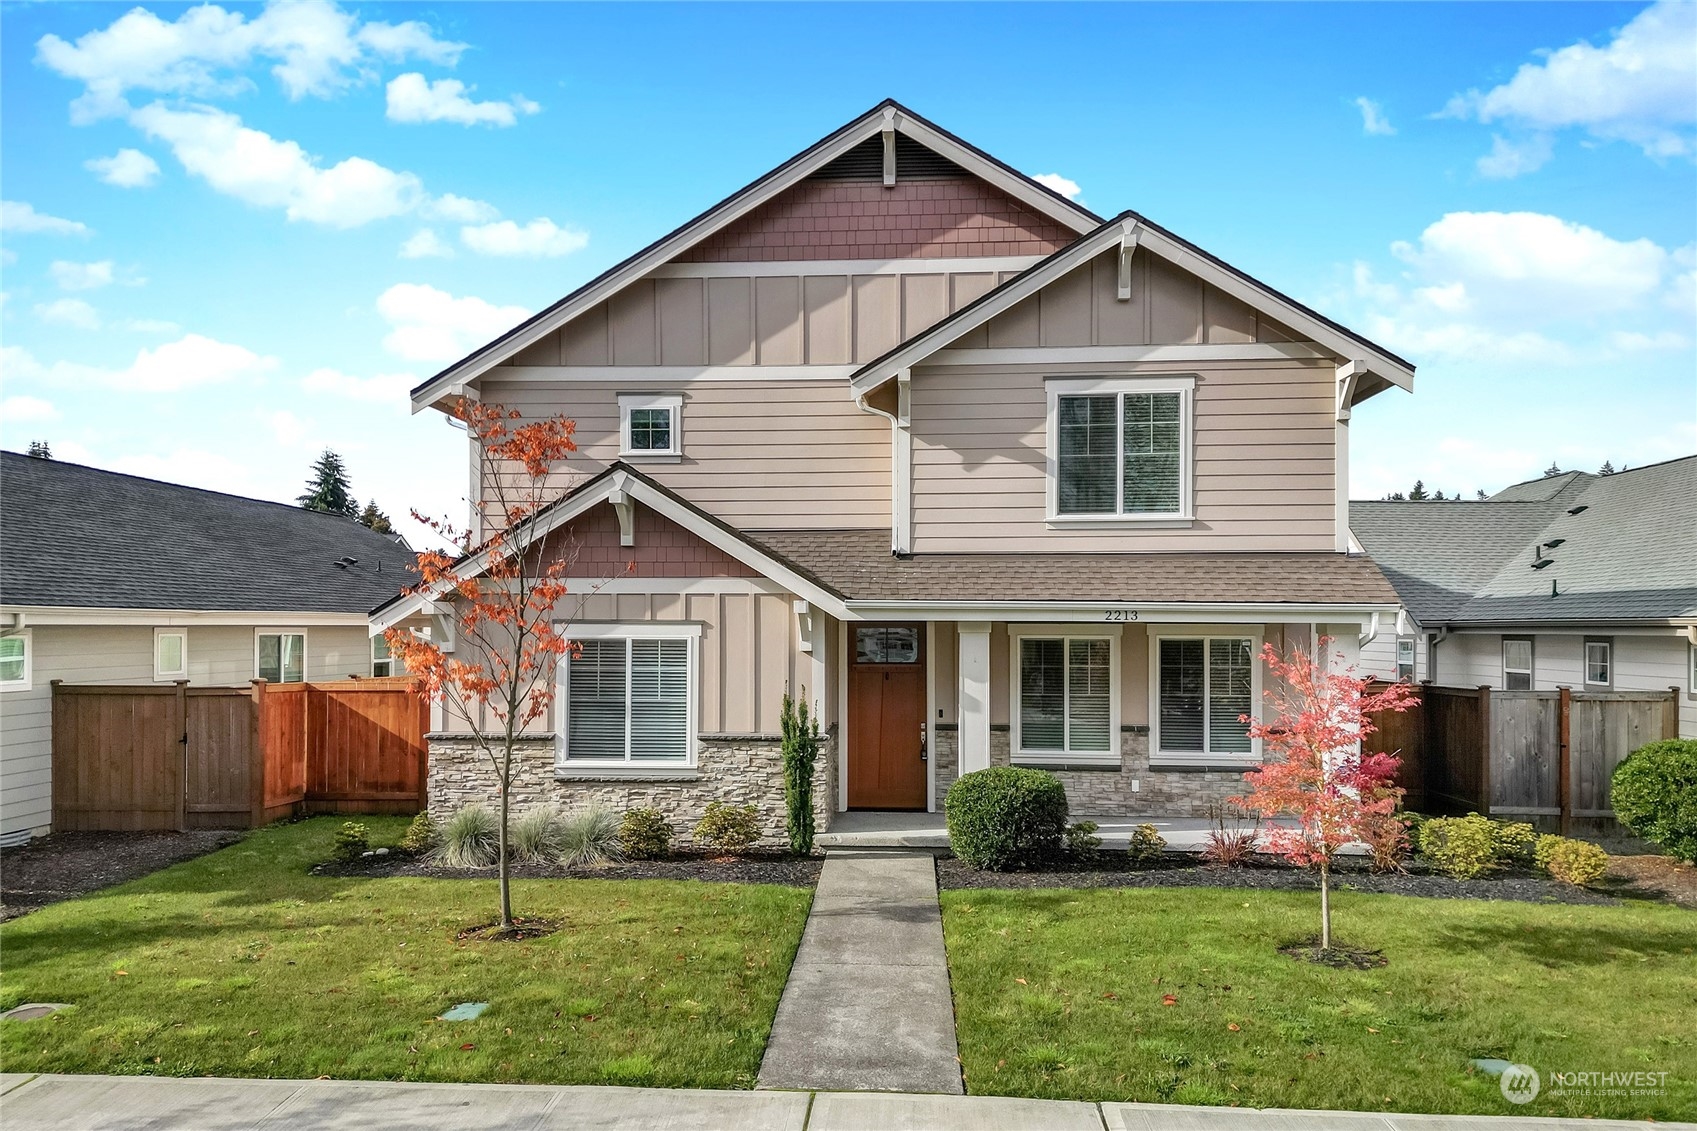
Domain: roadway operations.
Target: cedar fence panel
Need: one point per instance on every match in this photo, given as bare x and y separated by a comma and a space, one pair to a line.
280, 723
1525, 753
1605, 728
217, 757
1402, 734
366, 752
117, 757
1458, 774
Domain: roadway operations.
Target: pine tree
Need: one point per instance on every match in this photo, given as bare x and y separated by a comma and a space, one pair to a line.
327, 488
1552, 471
1608, 468
39, 449
1395, 497
1417, 493
1480, 494
376, 519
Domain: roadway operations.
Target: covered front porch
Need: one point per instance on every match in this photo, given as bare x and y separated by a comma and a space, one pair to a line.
885, 829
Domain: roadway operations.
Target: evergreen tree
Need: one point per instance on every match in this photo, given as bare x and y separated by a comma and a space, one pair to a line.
38, 449
1552, 471
376, 519
1480, 494
327, 488
1417, 493
1608, 468
1395, 497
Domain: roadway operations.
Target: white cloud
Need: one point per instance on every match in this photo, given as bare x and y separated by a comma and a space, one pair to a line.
81, 276
1637, 88
458, 210
384, 387
255, 167
1057, 183
1373, 120
17, 216
149, 326
189, 362
19, 410
127, 168
193, 467
537, 239
1513, 158
68, 312
412, 98
426, 244
315, 46
433, 325
287, 428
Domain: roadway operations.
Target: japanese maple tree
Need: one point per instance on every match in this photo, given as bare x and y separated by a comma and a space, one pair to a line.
1314, 770
499, 677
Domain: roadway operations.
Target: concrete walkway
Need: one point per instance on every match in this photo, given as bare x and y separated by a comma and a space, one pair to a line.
867, 1006
132, 1103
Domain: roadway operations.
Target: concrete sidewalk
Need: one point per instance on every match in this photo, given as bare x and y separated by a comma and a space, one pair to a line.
133, 1103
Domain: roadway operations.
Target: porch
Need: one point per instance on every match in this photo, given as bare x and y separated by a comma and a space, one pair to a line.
875, 829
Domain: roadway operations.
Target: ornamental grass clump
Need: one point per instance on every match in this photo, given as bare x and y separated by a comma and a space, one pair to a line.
537, 837
470, 839
1006, 817
589, 837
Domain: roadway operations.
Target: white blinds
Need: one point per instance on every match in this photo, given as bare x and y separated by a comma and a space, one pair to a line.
628, 700
1065, 695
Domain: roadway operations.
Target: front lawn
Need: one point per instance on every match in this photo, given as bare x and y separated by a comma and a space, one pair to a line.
242, 964
1060, 993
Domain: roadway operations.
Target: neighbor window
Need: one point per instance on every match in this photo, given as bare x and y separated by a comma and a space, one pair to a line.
1203, 688
1599, 663
170, 655
650, 425
1517, 663
281, 657
629, 698
1065, 696
383, 661
15, 661
1121, 449
1691, 683
1405, 659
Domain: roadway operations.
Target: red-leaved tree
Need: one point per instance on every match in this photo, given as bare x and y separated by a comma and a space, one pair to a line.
505, 594
1313, 770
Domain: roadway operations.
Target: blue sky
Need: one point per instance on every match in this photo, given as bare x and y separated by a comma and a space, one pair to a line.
235, 235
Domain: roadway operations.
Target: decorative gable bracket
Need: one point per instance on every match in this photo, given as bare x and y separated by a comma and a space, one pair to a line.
1349, 375
1131, 232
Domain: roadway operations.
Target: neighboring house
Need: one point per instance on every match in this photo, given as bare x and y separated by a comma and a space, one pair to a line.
1575, 580
986, 476
108, 578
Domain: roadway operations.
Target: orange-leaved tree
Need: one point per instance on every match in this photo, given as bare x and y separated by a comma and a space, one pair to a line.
1314, 772
505, 593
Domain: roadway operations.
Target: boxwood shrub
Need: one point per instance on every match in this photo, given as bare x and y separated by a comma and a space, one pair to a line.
1006, 817
1655, 795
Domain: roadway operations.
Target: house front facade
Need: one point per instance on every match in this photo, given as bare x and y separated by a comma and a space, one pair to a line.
987, 477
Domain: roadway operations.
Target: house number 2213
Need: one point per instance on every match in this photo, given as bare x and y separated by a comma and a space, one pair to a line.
1119, 615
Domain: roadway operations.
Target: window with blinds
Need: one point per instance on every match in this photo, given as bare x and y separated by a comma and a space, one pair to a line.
1066, 695
1119, 453
1203, 689
627, 700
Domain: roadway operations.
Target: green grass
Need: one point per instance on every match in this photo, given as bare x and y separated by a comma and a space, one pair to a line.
1058, 993
242, 964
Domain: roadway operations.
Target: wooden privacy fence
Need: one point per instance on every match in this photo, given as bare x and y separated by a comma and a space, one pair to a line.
171, 756
1534, 754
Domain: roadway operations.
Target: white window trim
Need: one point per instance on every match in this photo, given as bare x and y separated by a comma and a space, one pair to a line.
1185, 386
1531, 669
1019, 632
1254, 633
1691, 672
1413, 659
690, 633
391, 659
673, 403
1608, 646
160, 673
306, 648
27, 682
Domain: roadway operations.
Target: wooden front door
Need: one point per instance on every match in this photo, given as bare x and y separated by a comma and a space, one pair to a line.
886, 708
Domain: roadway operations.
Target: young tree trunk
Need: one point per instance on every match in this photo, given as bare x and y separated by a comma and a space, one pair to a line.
1325, 905
506, 797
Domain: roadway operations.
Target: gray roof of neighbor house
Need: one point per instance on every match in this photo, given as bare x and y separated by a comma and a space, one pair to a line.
79, 537
1619, 547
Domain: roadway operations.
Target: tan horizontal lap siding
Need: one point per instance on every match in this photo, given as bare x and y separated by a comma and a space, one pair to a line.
769, 454
1262, 472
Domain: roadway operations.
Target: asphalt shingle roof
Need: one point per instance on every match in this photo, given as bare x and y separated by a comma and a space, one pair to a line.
80, 537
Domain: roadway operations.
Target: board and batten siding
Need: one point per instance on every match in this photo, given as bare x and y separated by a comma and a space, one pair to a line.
218, 656
1263, 467
758, 455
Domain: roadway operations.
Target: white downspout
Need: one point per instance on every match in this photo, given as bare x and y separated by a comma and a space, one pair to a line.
901, 459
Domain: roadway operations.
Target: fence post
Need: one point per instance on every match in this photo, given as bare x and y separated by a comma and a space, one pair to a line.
257, 759
1670, 714
1485, 750
423, 749
1564, 753
182, 729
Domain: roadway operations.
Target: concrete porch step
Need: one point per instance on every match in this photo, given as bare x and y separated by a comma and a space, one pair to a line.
873, 829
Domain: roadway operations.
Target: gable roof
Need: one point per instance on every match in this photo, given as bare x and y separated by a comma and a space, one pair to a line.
1629, 554
808, 161
78, 537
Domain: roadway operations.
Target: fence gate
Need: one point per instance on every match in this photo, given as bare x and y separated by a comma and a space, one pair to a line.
117, 761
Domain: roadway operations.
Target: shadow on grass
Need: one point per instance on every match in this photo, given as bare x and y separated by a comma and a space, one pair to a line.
1550, 945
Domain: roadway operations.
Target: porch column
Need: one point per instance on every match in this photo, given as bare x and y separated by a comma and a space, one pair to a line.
1343, 655
974, 696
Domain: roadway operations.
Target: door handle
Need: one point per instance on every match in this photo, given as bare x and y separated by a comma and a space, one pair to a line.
923, 754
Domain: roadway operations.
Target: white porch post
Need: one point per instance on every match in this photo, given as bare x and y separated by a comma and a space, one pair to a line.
974, 696
1343, 654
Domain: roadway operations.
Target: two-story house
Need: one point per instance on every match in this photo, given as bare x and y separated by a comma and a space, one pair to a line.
986, 476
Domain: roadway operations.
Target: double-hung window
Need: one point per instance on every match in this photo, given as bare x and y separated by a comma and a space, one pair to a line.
1203, 686
383, 660
280, 657
1120, 449
1599, 663
1517, 663
1405, 659
15, 655
170, 654
627, 695
651, 426
1066, 695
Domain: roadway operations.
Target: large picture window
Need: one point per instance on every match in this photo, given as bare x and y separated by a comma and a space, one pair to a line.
1120, 449
1203, 686
629, 699
1065, 697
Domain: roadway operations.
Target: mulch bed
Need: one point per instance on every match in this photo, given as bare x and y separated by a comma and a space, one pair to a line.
1652, 877
1114, 871
753, 868
62, 866
1337, 957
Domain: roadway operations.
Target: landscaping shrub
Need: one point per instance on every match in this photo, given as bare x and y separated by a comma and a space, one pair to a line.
1082, 841
1655, 795
1463, 847
1006, 817
1387, 838
1571, 861
351, 842
535, 838
1146, 845
589, 837
470, 839
729, 828
1231, 842
644, 834
801, 753
421, 836
1514, 841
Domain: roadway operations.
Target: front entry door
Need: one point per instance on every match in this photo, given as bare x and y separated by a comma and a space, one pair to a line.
886, 701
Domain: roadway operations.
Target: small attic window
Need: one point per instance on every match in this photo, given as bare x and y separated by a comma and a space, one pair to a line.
651, 426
